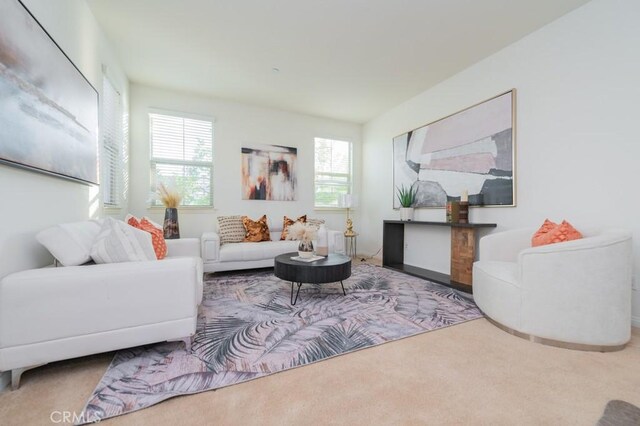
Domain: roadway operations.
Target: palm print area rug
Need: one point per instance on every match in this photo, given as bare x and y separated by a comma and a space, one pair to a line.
247, 329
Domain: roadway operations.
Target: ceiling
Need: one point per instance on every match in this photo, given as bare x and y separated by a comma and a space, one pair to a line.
342, 59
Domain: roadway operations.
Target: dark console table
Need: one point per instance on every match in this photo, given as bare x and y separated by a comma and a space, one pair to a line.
463, 251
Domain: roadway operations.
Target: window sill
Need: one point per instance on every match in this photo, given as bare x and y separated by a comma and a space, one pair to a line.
184, 209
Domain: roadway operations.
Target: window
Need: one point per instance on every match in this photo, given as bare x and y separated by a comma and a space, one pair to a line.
114, 155
332, 171
182, 157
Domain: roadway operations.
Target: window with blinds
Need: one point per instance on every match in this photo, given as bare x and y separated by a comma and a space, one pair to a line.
182, 157
113, 149
333, 174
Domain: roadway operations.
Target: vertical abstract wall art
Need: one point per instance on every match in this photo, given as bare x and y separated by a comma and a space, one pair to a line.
48, 109
471, 150
269, 173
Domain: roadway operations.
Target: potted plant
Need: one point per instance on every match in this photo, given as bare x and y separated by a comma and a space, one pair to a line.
407, 197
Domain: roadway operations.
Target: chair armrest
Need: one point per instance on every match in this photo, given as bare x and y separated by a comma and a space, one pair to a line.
505, 246
210, 243
571, 287
183, 247
336, 241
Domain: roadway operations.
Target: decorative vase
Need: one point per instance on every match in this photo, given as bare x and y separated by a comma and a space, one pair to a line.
305, 249
170, 227
406, 213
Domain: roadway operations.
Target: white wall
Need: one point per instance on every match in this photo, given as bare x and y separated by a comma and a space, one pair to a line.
31, 202
578, 143
235, 126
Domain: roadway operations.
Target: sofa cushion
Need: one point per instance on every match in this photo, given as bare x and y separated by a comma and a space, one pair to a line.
558, 234
157, 235
251, 251
543, 230
231, 229
315, 222
119, 242
287, 222
256, 230
70, 243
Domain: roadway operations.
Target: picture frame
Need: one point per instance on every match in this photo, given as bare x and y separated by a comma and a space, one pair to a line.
269, 172
470, 152
49, 116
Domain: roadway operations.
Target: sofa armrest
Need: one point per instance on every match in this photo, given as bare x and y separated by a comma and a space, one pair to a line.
505, 246
570, 287
210, 243
336, 241
183, 247
53, 303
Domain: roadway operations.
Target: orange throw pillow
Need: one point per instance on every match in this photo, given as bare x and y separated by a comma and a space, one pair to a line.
287, 223
257, 230
157, 235
547, 226
561, 233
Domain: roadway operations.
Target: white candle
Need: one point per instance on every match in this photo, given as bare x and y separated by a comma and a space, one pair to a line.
465, 196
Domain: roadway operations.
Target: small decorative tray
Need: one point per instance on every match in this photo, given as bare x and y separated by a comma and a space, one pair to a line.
307, 259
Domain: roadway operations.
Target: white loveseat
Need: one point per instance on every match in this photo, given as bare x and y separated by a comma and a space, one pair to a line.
231, 256
574, 294
56, 313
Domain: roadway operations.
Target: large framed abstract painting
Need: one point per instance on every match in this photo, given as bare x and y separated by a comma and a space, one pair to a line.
472, 150
48, 109
269, 173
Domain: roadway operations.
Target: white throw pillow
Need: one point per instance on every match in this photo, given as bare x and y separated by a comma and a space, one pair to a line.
70, 243
119, 242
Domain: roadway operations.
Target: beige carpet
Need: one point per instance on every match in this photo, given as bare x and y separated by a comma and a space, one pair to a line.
471, 373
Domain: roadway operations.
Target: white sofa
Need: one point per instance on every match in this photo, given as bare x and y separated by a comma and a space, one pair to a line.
575, 294
57, 313
232, 256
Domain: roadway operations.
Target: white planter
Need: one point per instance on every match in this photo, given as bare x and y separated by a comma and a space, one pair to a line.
406, 213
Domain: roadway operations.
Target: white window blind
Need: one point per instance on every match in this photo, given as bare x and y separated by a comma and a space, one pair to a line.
332, 171
182, 157
113, 149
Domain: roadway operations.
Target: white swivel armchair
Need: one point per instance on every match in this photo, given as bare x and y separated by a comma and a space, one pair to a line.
575, 294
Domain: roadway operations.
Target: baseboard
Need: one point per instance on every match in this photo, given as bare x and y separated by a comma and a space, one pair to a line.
5, 380
635, 321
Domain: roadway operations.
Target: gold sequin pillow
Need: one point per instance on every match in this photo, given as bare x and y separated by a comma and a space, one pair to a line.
256, 230
288, 222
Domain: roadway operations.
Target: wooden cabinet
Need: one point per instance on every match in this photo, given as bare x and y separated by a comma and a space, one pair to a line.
463, 251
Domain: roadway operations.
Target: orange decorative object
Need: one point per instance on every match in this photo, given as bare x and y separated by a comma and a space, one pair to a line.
547, 226
288, 222
559, 234
257, 230
157, 235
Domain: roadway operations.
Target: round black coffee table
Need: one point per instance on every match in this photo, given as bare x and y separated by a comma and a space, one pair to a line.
333, 268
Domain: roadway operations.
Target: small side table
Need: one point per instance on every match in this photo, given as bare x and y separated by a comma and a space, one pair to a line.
351, 245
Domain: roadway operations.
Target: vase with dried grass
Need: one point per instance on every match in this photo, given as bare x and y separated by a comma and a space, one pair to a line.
304, 233
171, 199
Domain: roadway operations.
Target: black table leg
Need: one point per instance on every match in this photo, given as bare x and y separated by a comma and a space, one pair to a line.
293, 301
343, 292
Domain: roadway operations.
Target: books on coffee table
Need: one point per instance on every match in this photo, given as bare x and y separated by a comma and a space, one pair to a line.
307, 259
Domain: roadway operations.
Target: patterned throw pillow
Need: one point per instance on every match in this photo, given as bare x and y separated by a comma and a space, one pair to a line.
288, 222
315, 222
547, 226
119, 242
559, 234
157, 235
257, 230
231, 229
